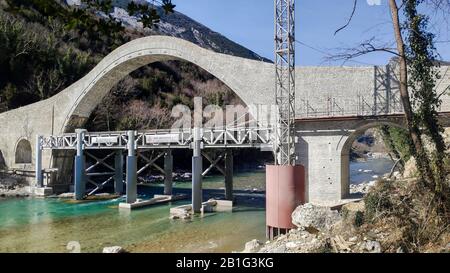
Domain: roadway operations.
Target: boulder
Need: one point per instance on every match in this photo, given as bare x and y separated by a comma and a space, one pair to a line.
113, 249
292, 245
252, 246
410, 168
373, 246
9, 183
447, 138
309, 216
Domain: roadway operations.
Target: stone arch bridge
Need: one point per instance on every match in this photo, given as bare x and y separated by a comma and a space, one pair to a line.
334, 104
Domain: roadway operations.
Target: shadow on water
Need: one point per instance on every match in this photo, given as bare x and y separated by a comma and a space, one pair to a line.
241, 197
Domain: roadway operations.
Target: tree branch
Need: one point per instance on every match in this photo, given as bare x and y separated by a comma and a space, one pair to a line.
349, 19
362, 49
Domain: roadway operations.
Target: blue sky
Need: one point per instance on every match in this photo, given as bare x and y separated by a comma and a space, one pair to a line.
250, 23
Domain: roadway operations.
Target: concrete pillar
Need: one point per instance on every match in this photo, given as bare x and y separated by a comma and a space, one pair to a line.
38, 163
168, 170
131, 176
80, 166
229, 174
118, 177
197, 169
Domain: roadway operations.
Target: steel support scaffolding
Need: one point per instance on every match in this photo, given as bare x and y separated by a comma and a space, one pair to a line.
285, 81
80, 167
229, 174
118, 173
197, 171
38, 162
160, 142
131, 175
168, 172
226, 170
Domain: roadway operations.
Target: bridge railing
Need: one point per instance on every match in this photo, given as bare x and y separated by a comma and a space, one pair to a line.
162, 139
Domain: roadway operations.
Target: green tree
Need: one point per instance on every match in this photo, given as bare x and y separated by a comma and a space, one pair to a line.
423, 74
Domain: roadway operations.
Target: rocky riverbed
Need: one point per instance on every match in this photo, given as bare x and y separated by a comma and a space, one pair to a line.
320, 230
13, 186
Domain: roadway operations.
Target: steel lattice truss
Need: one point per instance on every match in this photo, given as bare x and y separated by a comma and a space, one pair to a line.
285, 80
255, 137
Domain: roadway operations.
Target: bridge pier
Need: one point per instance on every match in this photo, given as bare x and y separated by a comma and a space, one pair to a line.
168, 171
80, 167
118, 176
131, 175
229, 174
197, 169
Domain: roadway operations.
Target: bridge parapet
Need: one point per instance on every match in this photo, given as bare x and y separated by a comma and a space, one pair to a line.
356, 91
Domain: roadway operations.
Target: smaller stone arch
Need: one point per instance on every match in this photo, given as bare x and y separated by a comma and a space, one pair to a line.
23, 154
345, 149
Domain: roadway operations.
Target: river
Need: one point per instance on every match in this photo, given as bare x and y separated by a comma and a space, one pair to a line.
48, 225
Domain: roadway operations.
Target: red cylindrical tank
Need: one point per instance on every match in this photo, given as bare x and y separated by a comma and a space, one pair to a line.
285, 190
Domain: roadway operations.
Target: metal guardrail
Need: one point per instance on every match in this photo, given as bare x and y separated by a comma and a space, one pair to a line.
164, 139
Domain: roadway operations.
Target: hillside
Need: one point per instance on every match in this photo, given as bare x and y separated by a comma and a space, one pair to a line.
179, 25
48, 45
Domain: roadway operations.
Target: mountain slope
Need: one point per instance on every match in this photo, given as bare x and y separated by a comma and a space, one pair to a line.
40, 56
179, 25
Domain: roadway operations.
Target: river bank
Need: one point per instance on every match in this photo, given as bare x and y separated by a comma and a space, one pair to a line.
370, 225
13, 186
48, 225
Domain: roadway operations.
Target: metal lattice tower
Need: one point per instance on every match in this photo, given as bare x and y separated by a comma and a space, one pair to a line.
285, 80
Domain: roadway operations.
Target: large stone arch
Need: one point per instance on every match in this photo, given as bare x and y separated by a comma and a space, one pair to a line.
75, 104
140, 52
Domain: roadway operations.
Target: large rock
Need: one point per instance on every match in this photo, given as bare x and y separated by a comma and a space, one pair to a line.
447, 138
114, 249
373, 247
8, 183
297, 241
252, 246
410, 168
309, 216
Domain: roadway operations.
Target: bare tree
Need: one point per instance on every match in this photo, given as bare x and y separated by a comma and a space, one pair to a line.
399, 51
419, 150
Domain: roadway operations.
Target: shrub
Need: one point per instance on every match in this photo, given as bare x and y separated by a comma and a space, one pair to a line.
359, 219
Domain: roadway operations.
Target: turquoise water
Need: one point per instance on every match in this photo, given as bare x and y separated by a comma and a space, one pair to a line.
48, 225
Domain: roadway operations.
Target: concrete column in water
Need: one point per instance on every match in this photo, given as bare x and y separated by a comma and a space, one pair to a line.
168, 170
229, 174
118, 176
80, 166
197, 169
38, 163
131, 176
